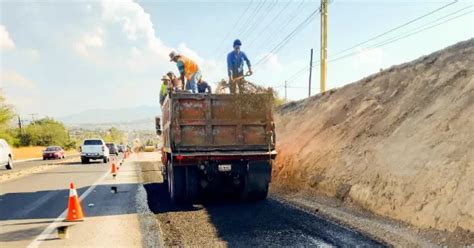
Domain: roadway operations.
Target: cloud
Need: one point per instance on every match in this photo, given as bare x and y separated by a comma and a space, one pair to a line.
6, 43
136, 24
11, 78
88, 42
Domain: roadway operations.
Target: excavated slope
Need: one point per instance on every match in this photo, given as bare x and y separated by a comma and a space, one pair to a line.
399, 143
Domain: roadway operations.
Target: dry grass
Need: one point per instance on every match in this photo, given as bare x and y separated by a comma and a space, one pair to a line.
32, 152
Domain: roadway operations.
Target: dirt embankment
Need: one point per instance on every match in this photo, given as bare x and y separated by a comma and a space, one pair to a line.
399, 143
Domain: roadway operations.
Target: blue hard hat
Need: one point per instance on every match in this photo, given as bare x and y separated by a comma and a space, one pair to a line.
237, 43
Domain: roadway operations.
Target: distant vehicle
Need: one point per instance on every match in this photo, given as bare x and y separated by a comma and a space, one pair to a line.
94, 149
6, 156
53, 152
112, 148
121, 148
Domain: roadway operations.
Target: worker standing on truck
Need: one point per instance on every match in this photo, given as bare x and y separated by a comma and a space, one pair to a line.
235, 67
175, 82
188, 69
203, 86
164, 88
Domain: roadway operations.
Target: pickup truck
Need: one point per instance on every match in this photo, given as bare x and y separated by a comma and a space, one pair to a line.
217, 143
6, 156
94, 149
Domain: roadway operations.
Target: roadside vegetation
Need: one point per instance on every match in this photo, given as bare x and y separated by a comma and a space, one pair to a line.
33, 137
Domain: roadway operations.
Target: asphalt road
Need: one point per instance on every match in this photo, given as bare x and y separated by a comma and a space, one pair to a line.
32, 207
230, 223
31, 204
35, 163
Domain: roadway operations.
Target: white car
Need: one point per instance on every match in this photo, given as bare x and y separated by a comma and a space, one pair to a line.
6, 156
94, 149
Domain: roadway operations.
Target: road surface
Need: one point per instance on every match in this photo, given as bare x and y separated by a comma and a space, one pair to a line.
31, 209
31, 206
229, 222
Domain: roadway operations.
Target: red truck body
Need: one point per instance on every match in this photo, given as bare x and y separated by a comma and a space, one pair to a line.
218, 140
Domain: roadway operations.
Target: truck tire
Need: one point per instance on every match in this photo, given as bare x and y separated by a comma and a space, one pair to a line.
9, 165
105, 160
84, 160
176, 183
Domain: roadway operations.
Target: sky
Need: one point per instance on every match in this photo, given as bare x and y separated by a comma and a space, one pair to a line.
63, 57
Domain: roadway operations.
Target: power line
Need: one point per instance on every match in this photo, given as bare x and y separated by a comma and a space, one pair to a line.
396, 28
234, 27
393, 39
251, 18
271, 22
285, 23
409, 33
290, 36
261, 20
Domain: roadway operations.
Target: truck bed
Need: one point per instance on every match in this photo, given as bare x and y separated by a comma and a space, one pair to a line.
203, 123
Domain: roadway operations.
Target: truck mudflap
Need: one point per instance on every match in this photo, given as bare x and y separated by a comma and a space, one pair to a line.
257, 180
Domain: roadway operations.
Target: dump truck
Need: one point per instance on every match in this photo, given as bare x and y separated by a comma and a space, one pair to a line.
217, 144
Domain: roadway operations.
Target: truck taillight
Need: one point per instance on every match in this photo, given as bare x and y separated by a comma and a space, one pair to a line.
103, 148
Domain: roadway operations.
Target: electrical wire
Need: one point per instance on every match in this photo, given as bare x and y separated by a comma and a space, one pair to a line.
397, 28
234, 26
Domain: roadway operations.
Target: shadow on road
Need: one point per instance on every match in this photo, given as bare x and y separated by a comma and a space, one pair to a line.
160, 202
23, 234
102, 201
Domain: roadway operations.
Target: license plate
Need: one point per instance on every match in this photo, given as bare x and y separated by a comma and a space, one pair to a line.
224, 167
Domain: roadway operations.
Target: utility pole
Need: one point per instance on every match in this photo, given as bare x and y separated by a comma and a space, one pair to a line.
286, 96
20, 126
324, 43
33, 120
310, 72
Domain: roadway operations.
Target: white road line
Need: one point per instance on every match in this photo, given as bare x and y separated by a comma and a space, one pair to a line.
46, 232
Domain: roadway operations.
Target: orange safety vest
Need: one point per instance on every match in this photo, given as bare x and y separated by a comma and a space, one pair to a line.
190, 67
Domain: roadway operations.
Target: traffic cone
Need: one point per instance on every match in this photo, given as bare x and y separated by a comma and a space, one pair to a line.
74, 209
114, 168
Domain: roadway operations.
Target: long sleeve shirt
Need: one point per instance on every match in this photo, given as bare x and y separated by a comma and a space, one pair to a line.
235, 63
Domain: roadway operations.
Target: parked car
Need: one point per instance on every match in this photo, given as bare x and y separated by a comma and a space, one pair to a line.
53, 152
121, 148
112, 148
6, 156
94, 149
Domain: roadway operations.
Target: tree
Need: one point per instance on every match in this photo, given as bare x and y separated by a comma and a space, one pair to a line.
46, 132
114, 135
6, 115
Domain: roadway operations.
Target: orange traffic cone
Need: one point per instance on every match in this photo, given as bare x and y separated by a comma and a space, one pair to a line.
114, 168
74, 209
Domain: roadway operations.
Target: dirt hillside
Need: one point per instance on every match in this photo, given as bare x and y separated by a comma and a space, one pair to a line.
399, 143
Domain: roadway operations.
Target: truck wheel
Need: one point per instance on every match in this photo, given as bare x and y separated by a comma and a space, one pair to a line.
177, 183
84, 160
9, 165
105, 160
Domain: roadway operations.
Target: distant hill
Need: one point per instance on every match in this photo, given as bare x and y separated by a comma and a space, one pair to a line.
112, 116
